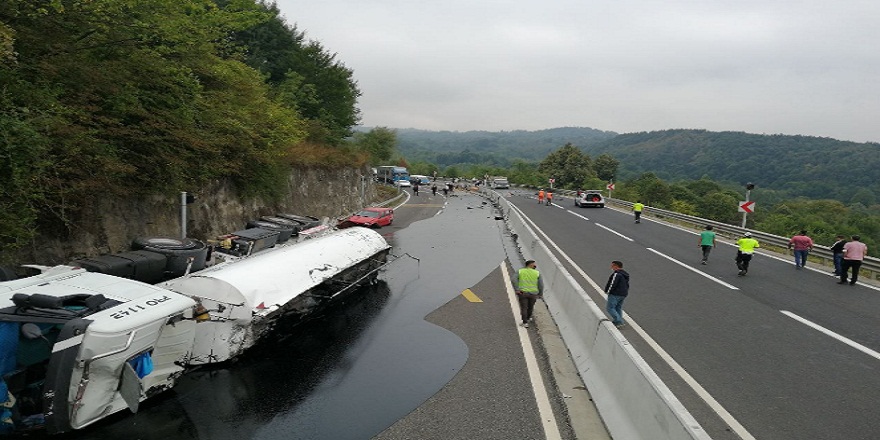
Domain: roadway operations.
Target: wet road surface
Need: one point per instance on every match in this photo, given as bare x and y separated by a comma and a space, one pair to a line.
368, 363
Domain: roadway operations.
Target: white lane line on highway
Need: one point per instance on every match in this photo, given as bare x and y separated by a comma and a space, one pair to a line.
574, 213
545, 411
403, 202
840, 338
713, 404
693, 269
613, 231
558, 206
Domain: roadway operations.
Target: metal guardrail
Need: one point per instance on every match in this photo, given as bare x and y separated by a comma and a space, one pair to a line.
870, 264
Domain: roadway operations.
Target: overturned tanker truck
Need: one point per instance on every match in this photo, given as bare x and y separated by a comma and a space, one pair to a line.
82, 341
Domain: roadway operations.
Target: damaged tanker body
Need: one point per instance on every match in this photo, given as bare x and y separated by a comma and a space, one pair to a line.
77, 345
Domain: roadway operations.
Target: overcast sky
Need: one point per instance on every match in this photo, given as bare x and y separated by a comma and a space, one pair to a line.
809, 67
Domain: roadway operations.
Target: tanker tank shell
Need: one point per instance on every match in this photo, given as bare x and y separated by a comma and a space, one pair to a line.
246, 297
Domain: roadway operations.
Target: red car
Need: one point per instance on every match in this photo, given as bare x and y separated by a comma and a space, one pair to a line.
372, 217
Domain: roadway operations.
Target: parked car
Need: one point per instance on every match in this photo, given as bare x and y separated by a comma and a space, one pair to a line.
402, 183
372, 217
590, 199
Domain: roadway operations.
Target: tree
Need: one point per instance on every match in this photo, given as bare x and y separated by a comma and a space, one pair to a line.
568, 165
606, 167
380, 143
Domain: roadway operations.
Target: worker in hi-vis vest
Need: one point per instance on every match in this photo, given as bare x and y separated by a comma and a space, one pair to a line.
637, 210
747, 246
529, 286
540, 196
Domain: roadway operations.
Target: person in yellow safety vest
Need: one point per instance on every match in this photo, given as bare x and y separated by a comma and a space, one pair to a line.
637, 210
529, 286
747, 246
549, 198
540, 196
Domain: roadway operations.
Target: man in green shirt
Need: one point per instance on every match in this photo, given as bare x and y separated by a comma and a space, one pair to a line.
707, 242
747, 246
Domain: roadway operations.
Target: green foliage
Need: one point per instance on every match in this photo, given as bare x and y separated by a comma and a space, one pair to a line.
308, 77
568, 166
380, 143
126, 97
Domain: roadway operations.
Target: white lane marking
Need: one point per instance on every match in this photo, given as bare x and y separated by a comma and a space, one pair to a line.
693, 269
840, 338
613, 232
545, 411
574, 213
728, 418
404, 201
558, 206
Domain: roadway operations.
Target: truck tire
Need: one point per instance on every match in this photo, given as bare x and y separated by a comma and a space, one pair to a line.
178, 250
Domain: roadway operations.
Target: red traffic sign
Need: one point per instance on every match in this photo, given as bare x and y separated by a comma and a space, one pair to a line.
610, 187
747, 207
552, 180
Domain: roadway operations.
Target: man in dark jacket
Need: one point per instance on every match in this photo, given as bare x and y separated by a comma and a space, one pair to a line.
617, 288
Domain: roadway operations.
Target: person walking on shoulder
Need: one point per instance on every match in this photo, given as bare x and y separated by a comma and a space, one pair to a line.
637, 211
707, 242
617, 288
837, 253
540, 196
529, 287
747, 246
853, 254
549, 198
802, 247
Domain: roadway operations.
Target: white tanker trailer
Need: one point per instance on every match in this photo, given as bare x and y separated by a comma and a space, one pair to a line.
77, 346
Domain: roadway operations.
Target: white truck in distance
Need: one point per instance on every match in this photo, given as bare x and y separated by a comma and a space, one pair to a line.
500, 183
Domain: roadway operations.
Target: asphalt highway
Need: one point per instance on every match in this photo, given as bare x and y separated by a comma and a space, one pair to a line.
412, 358
777, 354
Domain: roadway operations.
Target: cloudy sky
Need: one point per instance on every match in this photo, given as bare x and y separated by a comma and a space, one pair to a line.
809, 67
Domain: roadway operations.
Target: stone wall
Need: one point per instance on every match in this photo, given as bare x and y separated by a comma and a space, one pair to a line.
112, 223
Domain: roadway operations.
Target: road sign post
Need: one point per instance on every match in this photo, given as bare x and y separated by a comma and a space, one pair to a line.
746, 207
610, 187
552, 180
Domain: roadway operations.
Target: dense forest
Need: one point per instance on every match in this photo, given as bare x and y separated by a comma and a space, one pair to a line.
782, 166
128, 97
825, 186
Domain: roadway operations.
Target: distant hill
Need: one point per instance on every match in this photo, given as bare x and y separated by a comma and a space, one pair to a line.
811, 167
446, 148
782, 166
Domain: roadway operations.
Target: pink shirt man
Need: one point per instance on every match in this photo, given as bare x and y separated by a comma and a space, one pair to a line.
801, 243
855, 250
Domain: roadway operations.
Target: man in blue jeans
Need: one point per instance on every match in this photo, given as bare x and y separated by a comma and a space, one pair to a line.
617, 288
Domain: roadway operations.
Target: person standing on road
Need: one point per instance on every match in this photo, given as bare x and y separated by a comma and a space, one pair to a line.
853, 254
802, 247
549, 198
707, 242
529, 288
747, 246
541, 196
434, 189
416, 188
837, 253
637, 211
617, 288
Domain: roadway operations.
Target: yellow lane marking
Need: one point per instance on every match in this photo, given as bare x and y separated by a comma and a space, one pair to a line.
471, 296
